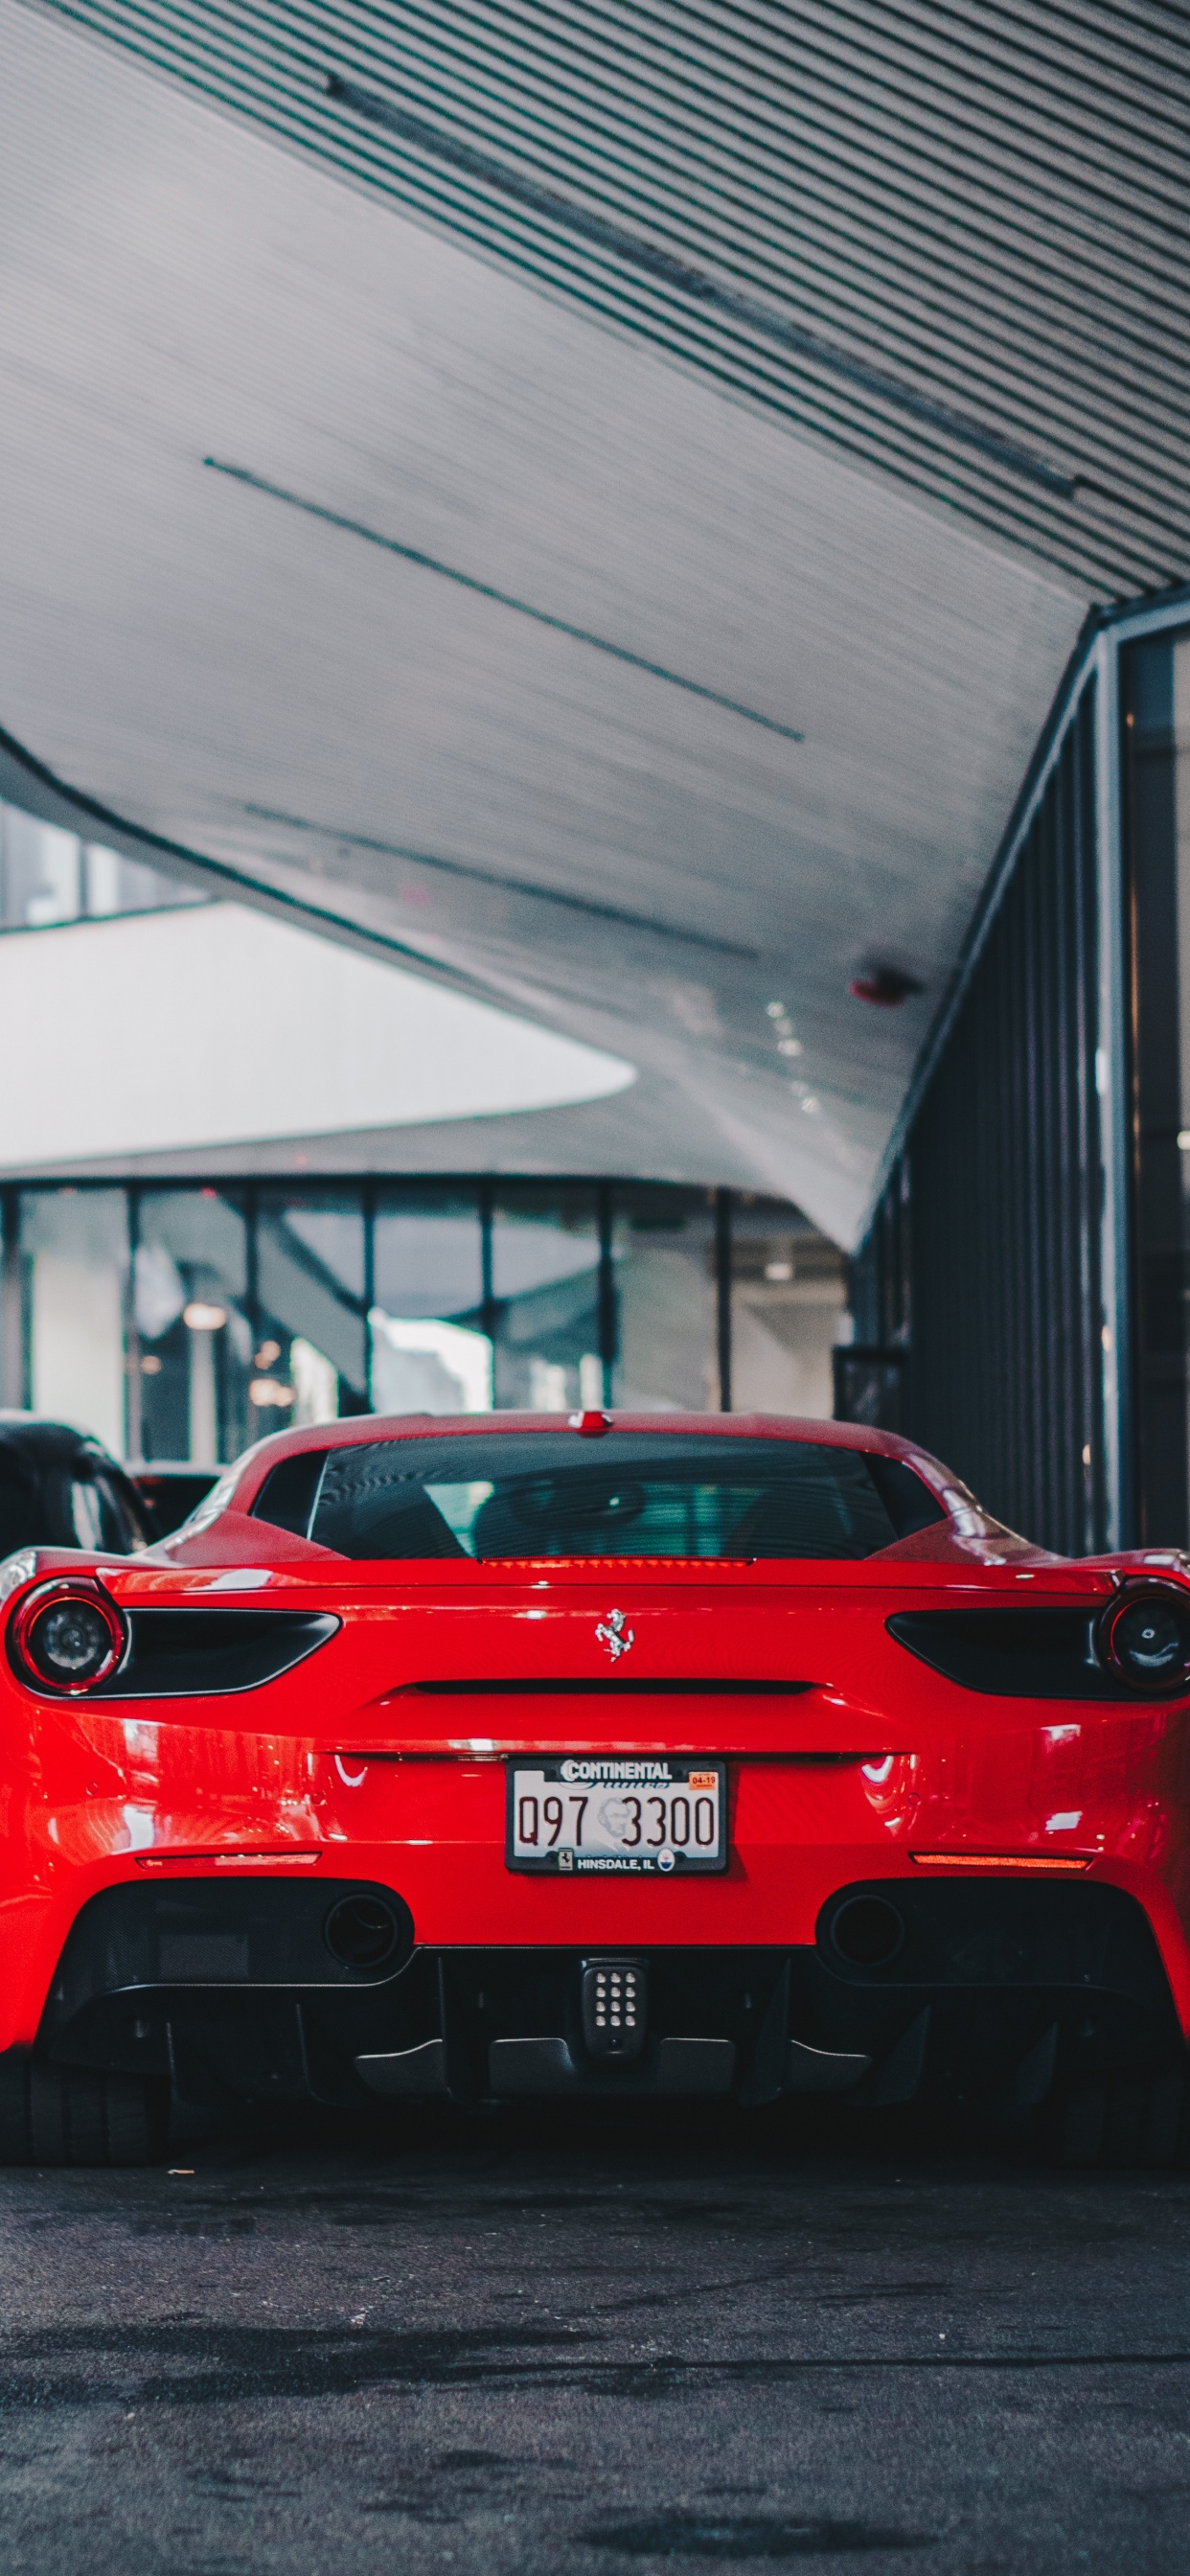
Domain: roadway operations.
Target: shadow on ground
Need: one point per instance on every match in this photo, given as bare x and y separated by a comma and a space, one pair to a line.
595, 2337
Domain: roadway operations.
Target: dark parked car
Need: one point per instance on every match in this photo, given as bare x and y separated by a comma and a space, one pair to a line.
60, 1488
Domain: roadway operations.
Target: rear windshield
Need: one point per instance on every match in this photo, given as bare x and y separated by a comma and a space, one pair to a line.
632, 1494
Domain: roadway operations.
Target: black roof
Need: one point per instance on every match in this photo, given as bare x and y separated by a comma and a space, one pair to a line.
37, 1441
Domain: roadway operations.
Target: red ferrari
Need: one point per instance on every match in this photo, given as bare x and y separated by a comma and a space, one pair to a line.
516, 1756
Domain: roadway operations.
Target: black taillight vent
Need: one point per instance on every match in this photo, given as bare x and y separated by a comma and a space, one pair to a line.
191, 1654
1015, 1654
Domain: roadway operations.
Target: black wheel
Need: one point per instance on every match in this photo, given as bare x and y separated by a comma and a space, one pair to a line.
1122, 2120
1072, 2125
72, 2115
16, 2143
136, 2115
1144, 2120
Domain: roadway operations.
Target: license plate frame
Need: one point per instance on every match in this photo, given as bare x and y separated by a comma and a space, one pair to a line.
578, 1779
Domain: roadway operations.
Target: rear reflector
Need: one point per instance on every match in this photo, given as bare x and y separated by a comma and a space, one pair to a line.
1061, 1868
228, 1859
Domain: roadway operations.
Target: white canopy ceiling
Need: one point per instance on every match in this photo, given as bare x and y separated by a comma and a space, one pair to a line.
713, 718
191, 1031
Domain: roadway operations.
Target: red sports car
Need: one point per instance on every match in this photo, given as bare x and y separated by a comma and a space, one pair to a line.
612, 1756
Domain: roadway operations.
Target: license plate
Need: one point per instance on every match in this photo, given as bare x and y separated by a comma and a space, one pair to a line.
595, 1815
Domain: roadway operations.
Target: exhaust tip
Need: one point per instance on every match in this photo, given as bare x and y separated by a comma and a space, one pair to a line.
867, 1931
362, 1932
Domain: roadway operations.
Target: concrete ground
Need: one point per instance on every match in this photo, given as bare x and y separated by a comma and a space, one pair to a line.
593, 2342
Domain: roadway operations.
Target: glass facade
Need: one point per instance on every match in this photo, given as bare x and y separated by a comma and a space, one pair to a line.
308, 1306
787, 1302
665, 1244
180, 1322
546, 1290
428, 1312
48, 876
73, 1267
190, 1341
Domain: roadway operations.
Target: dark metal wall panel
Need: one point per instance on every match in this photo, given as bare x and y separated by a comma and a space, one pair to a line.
880, 1286
998, 1291
1155, 735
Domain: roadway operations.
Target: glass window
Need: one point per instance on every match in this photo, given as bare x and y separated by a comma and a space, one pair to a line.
112, 884
195, 1345
48, 876
74, 1261
635, 1495
40, 876
310, 1359
545, 1291
663, 1245
55, 1493
253, 1306
431, 1351
788, 1299
102, 1511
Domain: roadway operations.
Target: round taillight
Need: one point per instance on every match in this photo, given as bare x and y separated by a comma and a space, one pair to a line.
1144, 1638
66, 1637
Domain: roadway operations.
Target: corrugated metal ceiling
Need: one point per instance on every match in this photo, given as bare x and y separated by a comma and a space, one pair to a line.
498, 640
950, 239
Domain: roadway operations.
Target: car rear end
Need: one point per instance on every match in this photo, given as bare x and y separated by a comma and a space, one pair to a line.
468, 1826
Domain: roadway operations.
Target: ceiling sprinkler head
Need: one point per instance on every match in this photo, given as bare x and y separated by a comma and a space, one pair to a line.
886, 985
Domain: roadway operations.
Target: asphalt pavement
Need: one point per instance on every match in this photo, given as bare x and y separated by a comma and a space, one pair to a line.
593, 2342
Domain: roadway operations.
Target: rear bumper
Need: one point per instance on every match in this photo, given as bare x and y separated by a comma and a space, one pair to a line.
983, 1990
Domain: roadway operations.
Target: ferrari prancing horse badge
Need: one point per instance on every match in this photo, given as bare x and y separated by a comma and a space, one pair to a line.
613, 1634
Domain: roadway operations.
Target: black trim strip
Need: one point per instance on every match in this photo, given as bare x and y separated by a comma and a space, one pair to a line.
503, 884
231, 881
503, 598
699, 1686
687, 280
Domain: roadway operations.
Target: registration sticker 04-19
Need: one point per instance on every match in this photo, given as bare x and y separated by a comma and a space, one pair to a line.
587, 1815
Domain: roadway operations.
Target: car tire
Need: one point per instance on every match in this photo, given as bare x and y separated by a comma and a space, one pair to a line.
73, 2115
1121, 2121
